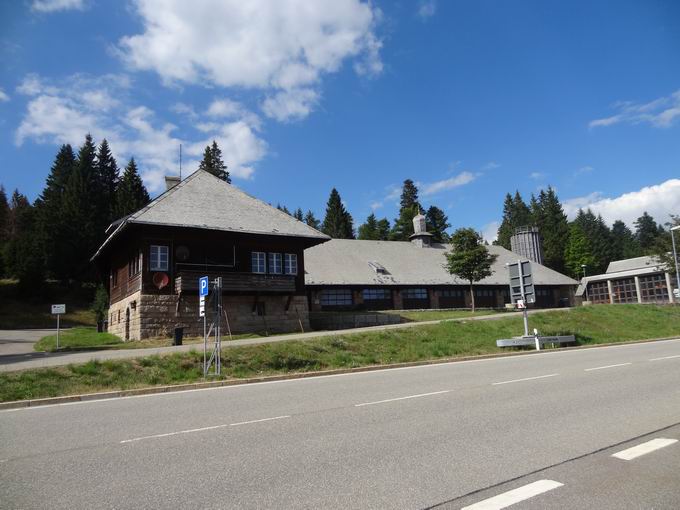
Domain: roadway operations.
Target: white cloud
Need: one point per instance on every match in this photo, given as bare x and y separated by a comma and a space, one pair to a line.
461, 179
66, 113
224, 108
661, 113
57, 5
491, 165
426, 9
490, 231
3, 96
659, 200
392, 194
282, 48
584, 170
537, 175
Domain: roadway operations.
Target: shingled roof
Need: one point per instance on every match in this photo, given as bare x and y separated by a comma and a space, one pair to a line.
206, 202
346, 262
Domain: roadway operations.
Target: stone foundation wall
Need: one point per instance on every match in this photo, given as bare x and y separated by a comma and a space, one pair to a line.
117, 317
159, 315
349, 320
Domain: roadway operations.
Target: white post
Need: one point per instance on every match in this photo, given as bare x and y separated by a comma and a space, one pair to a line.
637, 289
538, 344
611, 292
670, 287
677, 270
57, 331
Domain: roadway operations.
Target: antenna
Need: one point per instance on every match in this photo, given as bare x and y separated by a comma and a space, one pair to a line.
180, 161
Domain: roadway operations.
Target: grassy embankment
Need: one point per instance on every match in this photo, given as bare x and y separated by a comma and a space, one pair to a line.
591, 325
438, 315
32, 310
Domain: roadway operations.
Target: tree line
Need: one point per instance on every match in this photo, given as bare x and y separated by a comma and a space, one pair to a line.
55, 236
587, 240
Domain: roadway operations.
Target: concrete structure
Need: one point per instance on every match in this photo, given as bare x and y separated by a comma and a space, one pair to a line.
204, 226
347, 274
528, 243
636, 280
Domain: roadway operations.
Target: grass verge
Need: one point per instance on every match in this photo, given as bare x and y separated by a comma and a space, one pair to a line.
591, 325
438, 315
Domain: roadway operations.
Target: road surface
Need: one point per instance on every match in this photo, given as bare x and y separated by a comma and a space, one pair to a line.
537, 430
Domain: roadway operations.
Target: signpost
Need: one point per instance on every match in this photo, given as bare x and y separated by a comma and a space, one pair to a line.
203, 289
204, 285
522, 290
58, 310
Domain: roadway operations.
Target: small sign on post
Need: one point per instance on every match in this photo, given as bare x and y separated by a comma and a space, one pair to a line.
58, 310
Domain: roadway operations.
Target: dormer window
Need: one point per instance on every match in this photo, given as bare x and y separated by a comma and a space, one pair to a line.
377, 267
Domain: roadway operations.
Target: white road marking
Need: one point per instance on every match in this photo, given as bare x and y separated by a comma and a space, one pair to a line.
213, 427
401, 398
665, 357
515, 496
607, 366
525, 379
644, 448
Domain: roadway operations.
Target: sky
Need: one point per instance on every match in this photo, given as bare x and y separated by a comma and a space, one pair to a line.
470, 99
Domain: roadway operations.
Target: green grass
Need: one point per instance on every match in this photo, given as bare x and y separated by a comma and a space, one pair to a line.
438, 315
19, 311
591, 325
77, 338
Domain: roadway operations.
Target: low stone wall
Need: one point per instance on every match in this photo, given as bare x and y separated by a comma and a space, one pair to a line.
349, 320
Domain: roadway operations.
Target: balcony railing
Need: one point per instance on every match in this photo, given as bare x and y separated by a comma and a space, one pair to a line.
187, 281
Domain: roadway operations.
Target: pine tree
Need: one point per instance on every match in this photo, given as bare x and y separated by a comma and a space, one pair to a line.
131, 195
409, 195
469, 258
338, 222
21, 252
383, 229
646, 232
51, 223
81, 237
516, 214
283, 209
624, 244
212, 162
106, 181
369, 230
409, 207
599, 239
437, 223
298, 214
554, 228
311, 220
4, 227
578, 252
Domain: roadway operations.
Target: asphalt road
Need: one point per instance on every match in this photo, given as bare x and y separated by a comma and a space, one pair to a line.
14, 342
454, 435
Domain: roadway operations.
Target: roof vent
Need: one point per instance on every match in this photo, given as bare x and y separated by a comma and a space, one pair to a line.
377, 267
171, 181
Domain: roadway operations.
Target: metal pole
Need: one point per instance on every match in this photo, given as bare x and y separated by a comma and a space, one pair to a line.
585, 283
525, 313
57, 331
675, 259
205, 348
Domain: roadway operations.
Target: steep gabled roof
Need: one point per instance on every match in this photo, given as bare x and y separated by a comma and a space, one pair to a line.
203, 201
348, 262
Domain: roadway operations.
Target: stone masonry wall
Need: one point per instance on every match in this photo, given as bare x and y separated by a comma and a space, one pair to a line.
117, 317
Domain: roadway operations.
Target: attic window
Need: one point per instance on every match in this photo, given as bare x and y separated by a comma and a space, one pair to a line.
377, 267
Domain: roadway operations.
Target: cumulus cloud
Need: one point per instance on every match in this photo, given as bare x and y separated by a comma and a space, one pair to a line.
281, 48
659, 200
57, 5
392, 194
660, 113
102, 107
456, 181
3, 96
426, 9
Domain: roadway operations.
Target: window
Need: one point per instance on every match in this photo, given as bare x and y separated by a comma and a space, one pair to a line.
134, 265
158, 261
598, 292
483, 293
275, 263
451, 293
623, 291
258, 262
114, 278
414, 293
653, 288
336, 297
291, 263
375, 294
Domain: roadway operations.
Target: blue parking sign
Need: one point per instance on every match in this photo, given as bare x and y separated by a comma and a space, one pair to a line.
203, 286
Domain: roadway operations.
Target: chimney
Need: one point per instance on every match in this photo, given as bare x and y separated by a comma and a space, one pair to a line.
421, 237
171, 182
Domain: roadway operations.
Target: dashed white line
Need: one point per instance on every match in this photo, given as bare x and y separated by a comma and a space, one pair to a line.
515, 496
202, 429
665, 357
607, 366
524, 379
644, 448
401, 398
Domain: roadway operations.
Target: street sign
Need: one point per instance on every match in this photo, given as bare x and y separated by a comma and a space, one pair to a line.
201, 306
58, 309
203, 286
676, 293
521, 282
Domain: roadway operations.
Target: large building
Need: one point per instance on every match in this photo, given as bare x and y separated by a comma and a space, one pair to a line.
636, 280
204, 226
378, 275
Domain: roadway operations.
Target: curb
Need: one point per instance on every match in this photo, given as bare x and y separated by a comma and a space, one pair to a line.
18, 404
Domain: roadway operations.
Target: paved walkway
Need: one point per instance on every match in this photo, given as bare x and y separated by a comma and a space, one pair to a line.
20, 341
51, 359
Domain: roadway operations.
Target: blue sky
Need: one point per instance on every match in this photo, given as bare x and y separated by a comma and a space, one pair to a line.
470, 99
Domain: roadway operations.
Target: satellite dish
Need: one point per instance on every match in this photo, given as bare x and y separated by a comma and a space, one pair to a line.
182, 253
160, 280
